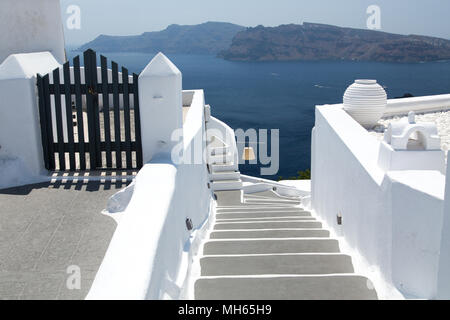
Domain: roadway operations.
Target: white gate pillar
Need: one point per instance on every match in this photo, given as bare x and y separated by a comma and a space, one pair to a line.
21, 153
161, 106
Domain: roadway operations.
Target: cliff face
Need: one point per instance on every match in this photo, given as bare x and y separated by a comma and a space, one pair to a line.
324, 42
206, 38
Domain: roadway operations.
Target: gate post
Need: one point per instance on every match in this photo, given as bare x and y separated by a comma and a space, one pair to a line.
21, 151
161, 107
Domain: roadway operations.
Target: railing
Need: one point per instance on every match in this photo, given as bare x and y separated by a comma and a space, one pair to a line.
417, 104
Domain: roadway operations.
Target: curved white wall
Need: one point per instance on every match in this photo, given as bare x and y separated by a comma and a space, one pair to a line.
31, 26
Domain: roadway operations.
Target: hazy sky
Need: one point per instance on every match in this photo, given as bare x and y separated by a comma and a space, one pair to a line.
125, 17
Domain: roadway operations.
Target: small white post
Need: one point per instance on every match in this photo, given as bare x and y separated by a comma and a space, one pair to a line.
21, 153
161, 106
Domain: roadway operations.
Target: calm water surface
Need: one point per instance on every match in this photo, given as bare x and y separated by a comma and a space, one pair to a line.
282, 95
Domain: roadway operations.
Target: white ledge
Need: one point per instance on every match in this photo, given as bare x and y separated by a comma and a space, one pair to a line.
417, 104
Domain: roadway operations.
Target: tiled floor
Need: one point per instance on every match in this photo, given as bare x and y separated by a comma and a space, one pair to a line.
46, 228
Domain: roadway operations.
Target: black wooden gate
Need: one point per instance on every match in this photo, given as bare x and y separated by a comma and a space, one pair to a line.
90, 118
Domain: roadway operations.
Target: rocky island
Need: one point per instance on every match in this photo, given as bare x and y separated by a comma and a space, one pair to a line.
311, 41
205, 38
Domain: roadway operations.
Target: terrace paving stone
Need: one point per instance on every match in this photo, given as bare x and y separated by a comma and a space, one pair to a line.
47, 227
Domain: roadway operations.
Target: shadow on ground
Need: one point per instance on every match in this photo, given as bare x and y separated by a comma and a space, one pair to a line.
75, 185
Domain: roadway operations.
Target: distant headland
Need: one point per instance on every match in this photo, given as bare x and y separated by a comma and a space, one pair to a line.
205, 38
306, 42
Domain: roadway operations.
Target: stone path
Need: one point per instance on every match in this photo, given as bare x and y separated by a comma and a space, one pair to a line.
46, 228
270, 248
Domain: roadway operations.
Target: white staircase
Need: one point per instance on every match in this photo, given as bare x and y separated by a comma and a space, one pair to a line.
268, 247
222, 157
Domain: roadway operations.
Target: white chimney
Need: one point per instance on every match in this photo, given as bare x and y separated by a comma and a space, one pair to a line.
31, 26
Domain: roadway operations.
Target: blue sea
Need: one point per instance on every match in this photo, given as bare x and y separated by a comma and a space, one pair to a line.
282, 95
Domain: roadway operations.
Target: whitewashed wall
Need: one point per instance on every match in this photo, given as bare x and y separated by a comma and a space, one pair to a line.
31, 26
444, 257
417, 212
150, 253
392, 220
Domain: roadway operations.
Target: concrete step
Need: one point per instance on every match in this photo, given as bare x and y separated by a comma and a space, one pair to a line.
272, 205
227, 175
218, 150
269, 194
238, 208
268, 225
271, 201
340, 287
219, 159
256, 198
276, 264
255, 234
220, 247
253, 207
226, 185
223, 167
228, 198
270, 219
240, 215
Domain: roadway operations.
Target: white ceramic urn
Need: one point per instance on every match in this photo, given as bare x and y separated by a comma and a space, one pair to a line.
365, 101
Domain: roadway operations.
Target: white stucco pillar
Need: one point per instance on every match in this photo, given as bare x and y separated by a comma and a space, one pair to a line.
21, 153
161, 107
31, 26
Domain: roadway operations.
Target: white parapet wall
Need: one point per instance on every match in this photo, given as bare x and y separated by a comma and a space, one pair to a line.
151, 251
392, 220
31, 26
443, 277
402, 106
21, 155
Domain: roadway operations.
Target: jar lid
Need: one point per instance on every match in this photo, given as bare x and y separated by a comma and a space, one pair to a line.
365, 81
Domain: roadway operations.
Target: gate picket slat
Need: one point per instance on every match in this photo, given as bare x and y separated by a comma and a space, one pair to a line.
137, 121
43, 120
106, 113
116, 98
80, 116
48, 113
69, 116
59, 121
127, 117
93, 73
90, 110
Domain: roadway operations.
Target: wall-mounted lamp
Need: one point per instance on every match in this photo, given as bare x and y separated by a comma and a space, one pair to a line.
249, 154
189, 224
339, 219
